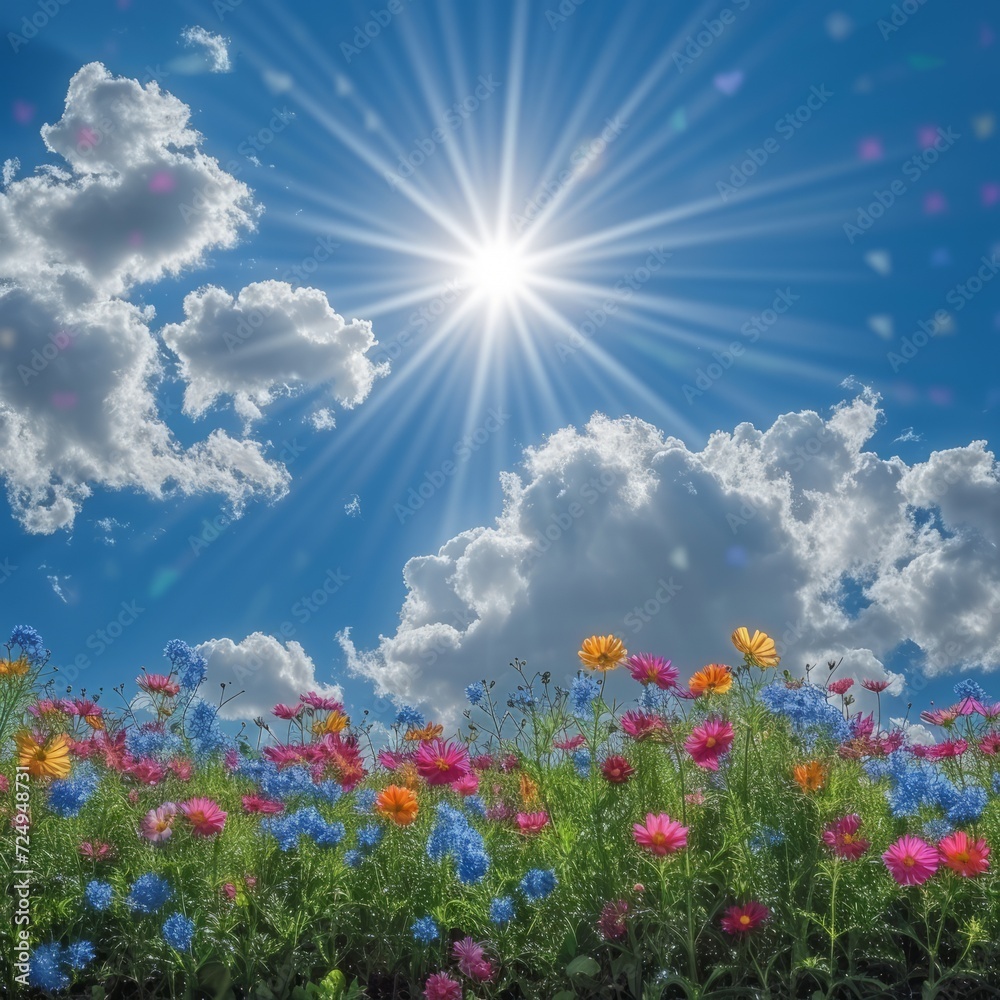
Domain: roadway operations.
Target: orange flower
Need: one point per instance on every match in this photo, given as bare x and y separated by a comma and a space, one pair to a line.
810, 777
408, 774
602, 652
529, 790
430, 732
13, 668
43, 760
335, 722
399, 804
713, 679
94, 721
759, 650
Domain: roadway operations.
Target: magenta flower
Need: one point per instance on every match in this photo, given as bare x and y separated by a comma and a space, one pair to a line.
440, 762
648, 669
661, 835
441, 986
842, 838
911, 861
157, 824
708, 742
739, 920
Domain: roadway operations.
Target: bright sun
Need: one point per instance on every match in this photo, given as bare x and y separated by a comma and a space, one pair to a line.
497, 272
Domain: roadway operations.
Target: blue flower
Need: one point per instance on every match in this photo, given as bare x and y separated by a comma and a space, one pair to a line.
151, 740
452, 836
370, 835
475, 805
807, 709
966, 805
202, 725
996, 782
190, 666
582, 691
935, 829
410, 717
581, 761
80, 954
502, 910
178, 931
67, 796
968, 688
364, 801
328, 791
538, 883
148, 893
764, 837
45, 967
475, 692
353, 858
330, 834
424, 930
522, 699
30, 643
98, 894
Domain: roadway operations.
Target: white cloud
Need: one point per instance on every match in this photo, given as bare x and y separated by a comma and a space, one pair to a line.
79, 365
322, 420
10, 169
268, 340
266, 671
773, 525
214, 54
908, 435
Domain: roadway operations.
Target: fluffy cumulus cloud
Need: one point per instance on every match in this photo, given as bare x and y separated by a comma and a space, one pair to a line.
795, 529
212, 50
79, 365
269, 337
266, 671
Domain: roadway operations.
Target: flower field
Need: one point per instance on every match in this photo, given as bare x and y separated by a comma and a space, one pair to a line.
734, 831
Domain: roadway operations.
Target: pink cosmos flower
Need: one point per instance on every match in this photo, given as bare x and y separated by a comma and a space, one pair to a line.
440, 762
482, 763
147, 771
911, 861
283, 756
708, 742
533, 822
229, 891
639, 725
841, 836
963, 855
158, 684
287, 711
841, 686
739, 920
648, 669
573, 743
441, 986
258, 804
611, 925
95, 850
157, 824
695, 798
871, 684
948, 748
319, 702
617, 769
470, 957
468, 784
990, 743
182, 768
205, 816
661, 835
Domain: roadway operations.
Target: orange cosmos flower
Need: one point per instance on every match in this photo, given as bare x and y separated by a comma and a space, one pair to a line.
713, 679
810, 777
602, 652
13, 668
48, 759
94, 721
430, 732
399, 804
760, 649
529, 790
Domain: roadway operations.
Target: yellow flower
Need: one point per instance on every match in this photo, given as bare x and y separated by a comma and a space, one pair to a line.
713, 679
335, 722
430, 732
529, 790
810, 777
602, 652
43, 760
760, 649
13, 668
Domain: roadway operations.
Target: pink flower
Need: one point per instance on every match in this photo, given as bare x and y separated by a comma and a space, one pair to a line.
661, 835
441, 986
133, 796
708, 742
533, 822
841, 686
611, 924
250, 881
440, 762
878, 686
231, 759
948, 748
841, 837
323, 704
147, 771
157, 824
743, 919
911, 861
695, 798
229, 890
258, 804
469, 954
639, 725
510, 763
287, 711
963, 855
283, 756
4, 783
158, 684
573, 743
648, 669
617, 769
182, 768
483, 762
205, 816
95, 850
468, 784
990, 743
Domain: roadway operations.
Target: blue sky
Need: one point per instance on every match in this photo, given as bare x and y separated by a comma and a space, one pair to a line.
545, 212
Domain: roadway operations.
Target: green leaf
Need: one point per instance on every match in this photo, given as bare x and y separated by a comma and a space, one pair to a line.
97, 993
565, 995
215, 979
333, 985
583, 965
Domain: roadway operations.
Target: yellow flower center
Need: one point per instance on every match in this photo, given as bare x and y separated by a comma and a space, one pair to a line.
962, 857
658, 838
710, 742
744, 920
848, 838
909, 861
